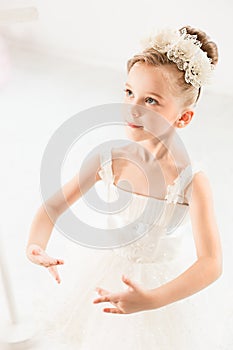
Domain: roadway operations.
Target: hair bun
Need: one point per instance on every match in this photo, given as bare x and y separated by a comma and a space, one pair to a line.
207, 45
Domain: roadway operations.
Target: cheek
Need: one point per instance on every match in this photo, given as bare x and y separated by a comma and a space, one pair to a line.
155, 125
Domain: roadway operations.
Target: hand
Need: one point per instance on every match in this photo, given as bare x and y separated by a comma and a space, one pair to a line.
132, 300
38, 256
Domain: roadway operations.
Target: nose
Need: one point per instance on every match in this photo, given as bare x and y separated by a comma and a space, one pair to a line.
135, 111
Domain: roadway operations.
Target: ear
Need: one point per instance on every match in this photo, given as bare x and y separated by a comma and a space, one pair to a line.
185, 118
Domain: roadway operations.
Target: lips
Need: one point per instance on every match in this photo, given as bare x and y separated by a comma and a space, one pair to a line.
134, 125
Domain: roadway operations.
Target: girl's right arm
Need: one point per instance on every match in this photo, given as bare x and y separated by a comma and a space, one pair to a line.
50, 211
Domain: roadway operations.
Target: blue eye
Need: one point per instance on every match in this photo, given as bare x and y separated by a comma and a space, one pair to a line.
152, 99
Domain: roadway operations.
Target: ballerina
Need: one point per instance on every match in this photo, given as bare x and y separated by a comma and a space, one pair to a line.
165, 78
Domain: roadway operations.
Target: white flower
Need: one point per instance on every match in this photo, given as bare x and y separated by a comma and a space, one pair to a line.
165, 39
199, 70
162, 41
185, 51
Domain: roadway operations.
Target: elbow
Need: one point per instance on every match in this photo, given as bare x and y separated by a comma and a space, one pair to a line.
216, 268
211, 269
218, 264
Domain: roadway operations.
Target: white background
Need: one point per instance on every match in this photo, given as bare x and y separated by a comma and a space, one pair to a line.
72, 58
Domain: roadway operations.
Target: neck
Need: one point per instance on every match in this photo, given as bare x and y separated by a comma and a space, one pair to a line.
160, 148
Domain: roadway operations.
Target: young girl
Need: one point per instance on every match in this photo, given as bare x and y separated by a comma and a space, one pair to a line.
146, 283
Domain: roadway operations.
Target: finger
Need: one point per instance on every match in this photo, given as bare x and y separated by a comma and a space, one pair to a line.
45, 255
36, 251
54, 273
112, 310
48, 261
57, 262
102, 291
130, 283
114, 297
102, 299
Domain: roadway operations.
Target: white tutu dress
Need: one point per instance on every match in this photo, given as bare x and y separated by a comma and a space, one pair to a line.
156, 258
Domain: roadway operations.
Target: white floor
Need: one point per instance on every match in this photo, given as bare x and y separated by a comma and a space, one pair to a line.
42, 93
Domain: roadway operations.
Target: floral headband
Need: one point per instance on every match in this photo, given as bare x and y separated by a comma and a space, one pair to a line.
185, 51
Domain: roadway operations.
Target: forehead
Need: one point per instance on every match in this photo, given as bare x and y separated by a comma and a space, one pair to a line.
152, 78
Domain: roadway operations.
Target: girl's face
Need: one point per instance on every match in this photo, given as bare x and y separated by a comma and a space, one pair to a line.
150, 92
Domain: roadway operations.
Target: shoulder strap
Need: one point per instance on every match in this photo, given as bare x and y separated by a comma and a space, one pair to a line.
107, 176
106, 166
178, 190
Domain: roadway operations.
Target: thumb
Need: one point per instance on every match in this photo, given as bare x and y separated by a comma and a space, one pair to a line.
37, 251
130, 283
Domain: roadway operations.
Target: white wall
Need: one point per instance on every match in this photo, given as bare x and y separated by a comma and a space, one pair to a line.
108, 32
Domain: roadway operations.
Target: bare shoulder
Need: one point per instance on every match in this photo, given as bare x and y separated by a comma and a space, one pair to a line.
201, 187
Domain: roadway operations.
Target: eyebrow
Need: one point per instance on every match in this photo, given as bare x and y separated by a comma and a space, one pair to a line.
150, 93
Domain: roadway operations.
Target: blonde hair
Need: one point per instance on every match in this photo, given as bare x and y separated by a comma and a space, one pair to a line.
151, 56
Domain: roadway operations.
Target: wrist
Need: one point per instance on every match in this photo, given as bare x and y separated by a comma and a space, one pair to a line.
152, 299
33, 249
155, 299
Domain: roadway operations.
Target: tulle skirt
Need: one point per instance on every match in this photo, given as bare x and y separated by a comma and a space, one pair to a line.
66, 314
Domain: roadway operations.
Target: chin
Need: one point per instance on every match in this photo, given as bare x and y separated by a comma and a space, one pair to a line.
137, 135
134, 134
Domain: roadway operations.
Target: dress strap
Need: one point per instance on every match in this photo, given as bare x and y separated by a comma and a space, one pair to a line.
106, 172
176, 191
107, 175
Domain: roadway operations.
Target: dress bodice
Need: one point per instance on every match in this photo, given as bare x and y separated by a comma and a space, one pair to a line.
159, 218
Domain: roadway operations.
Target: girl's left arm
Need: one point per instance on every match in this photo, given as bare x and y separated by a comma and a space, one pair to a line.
208, 266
